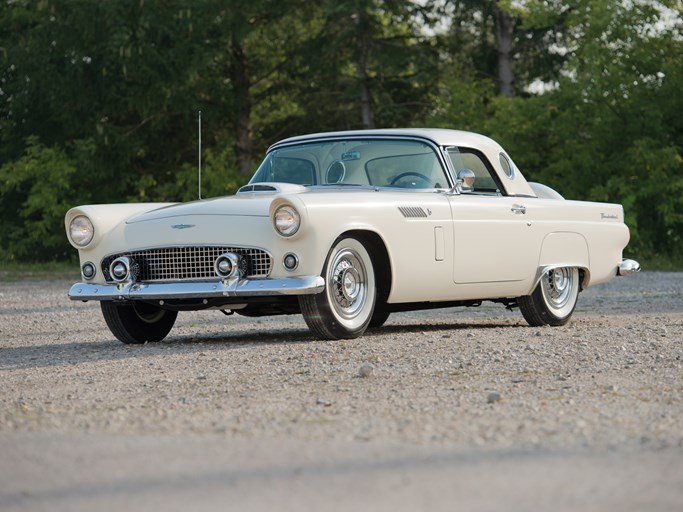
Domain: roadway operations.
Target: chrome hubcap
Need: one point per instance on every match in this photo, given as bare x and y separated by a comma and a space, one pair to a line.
350, 284
348, 278
557, 287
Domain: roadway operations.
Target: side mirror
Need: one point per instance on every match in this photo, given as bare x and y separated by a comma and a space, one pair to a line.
466, 179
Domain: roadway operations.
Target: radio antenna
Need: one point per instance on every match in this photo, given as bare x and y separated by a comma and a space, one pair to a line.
200, 154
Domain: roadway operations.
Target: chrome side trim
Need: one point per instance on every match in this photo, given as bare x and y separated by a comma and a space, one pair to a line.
199, 290
628, 268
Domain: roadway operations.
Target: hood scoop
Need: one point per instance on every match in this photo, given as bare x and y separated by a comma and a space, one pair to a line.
256, 188
270, 188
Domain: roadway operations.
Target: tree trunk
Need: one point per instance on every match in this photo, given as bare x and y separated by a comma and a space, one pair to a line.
367, 116
505, 26
242, 122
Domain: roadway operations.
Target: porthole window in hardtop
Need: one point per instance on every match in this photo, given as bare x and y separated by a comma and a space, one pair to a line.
464, 158
507, 166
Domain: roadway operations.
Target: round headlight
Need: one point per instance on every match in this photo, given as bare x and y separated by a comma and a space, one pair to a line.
81, 230
287, 220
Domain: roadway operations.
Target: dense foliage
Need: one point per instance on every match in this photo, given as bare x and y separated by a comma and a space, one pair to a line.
99, 100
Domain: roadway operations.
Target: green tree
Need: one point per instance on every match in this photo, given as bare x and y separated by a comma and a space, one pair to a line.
511, 44
366, 64
37, 190
117, 78
98, 100
608, 131
604, 126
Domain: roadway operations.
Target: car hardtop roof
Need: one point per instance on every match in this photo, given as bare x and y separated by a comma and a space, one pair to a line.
440, 136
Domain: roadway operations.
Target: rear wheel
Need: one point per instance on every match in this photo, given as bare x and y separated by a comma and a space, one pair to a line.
137, 322
345, 308
554, 299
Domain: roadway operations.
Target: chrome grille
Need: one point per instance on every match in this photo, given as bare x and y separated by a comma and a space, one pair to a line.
189, 263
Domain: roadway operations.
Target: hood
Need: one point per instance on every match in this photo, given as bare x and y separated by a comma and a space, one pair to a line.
250, 201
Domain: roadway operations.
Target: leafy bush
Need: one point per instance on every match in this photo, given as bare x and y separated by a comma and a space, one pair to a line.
37, 190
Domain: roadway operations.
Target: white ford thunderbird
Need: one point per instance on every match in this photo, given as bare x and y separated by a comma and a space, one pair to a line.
346, 228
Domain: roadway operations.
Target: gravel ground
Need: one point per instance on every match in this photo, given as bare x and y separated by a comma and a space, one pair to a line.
458, 404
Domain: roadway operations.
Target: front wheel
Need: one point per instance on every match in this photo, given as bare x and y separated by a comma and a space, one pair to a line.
554, 299
137, 322
345, 308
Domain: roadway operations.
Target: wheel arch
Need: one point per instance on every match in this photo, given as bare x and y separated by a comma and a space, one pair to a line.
380, 258
564, 249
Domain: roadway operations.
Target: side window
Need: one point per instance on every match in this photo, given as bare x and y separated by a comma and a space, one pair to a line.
484, 181
421, 170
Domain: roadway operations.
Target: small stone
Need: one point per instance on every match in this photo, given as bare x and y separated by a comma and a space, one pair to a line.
366, 370
323, 402
493, 398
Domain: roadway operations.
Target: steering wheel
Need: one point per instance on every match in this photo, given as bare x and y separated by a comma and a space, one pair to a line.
409, 174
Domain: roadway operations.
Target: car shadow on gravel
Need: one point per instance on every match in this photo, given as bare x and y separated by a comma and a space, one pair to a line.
66, 354
75, 353
446, 327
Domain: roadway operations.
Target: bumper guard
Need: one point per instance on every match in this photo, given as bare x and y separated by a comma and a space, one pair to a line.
628, 268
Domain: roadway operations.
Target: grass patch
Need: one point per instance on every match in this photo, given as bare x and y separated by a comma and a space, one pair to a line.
12, 272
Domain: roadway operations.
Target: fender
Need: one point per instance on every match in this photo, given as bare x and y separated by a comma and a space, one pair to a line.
564, 249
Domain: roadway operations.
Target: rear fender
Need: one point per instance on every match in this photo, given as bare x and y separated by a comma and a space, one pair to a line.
564, 249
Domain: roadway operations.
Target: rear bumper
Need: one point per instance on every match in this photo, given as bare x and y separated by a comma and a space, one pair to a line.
628, 268
198, 290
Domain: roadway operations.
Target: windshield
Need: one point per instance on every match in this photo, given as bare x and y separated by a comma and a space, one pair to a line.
381, 163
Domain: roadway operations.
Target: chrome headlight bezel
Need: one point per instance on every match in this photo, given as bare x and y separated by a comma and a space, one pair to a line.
81, 231
286, 220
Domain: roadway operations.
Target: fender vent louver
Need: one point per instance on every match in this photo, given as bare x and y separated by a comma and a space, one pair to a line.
412, 212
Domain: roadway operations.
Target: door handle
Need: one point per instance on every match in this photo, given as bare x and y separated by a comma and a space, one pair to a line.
519, 209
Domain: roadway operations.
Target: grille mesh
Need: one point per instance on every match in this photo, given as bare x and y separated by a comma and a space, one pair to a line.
189, 263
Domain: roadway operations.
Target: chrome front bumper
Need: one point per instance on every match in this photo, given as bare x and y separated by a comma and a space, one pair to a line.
198, 290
